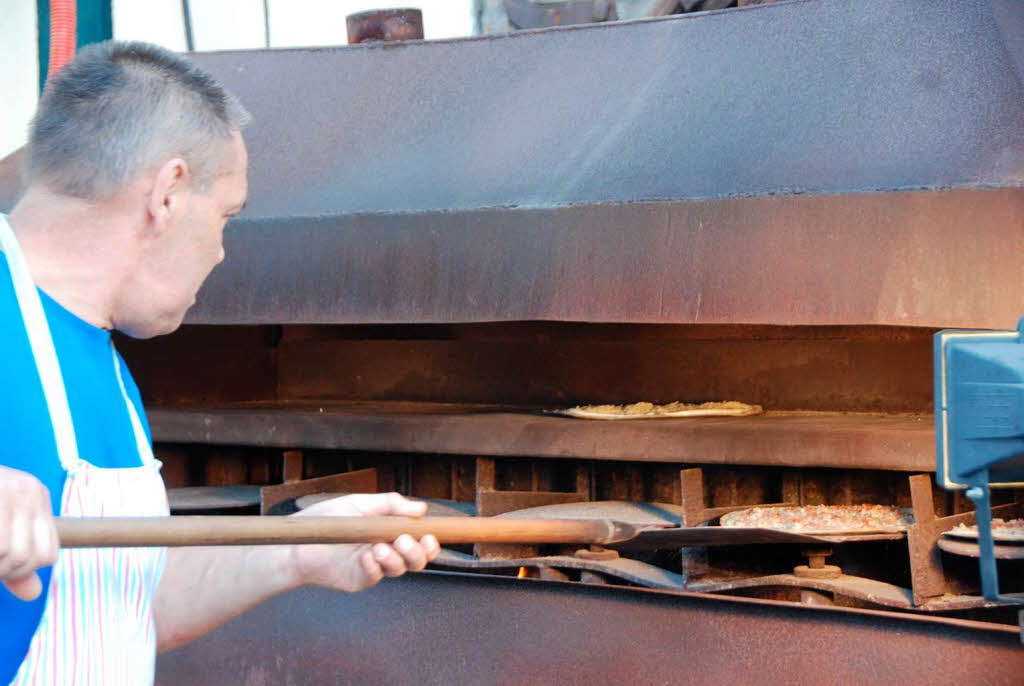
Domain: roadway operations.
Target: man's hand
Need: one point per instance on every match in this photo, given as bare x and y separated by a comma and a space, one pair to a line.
28, 537
355, 567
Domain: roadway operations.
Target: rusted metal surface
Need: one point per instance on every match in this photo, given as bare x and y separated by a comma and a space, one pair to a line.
619, 568
293, 466
893, 258
456, 629
490, 502
823, 572
875, 258
596, 552
905, 443
694, 510
384, 25
761, 101
691, 493
928, 578
871, 591
1003, 551
199, 498
361, 481
543, 364
867, 590
221, 364
662, 530
604, 192
705, 536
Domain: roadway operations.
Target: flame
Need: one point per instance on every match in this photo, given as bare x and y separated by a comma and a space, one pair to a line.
523, 573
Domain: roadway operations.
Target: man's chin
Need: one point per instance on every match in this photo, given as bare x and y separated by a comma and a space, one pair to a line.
151, 328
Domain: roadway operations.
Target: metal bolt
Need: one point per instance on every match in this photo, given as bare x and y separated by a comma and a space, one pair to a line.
816, 557
974, 493
816, 567
596, 552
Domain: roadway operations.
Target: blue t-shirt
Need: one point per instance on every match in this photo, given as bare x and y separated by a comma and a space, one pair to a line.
102, 424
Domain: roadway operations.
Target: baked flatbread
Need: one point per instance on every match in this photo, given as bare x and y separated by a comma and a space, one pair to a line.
1010, 530
651, 411
823, 519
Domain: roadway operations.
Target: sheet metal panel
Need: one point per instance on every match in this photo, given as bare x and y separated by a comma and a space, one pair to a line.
451, 629
935, 258
844, 441
823, 96
597, 173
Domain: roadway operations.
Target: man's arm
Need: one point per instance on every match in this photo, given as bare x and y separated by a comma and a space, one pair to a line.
204, 587
28, 537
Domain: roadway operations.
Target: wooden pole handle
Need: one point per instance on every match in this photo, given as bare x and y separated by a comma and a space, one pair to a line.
217, 530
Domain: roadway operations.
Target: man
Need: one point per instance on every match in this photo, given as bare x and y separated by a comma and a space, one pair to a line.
135, 164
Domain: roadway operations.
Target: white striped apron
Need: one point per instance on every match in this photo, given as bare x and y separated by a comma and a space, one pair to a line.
97, 626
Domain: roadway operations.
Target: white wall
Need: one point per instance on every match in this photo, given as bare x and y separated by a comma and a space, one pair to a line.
19, 72
154, 21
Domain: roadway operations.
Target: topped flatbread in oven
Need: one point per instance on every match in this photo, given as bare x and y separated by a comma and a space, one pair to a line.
1008, 530
823, 519
645, 410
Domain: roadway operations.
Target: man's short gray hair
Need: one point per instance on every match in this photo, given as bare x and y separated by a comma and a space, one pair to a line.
118, 110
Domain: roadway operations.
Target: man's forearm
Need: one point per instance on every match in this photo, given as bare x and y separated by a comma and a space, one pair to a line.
204, 587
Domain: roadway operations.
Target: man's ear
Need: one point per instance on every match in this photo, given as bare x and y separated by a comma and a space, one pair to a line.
171, 180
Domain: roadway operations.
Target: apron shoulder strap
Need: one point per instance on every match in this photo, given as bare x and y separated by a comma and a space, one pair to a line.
43, 351
141, 440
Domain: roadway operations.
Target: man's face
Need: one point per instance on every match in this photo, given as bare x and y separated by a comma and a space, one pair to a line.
176, 263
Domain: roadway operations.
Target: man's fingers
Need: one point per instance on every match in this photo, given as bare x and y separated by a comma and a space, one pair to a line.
28, 536
412, 552
42, 547
367, 566
27, 587
19, 547
384, 504
371, 570
408, 508
47, 542
391, 563
430, 546
31, 546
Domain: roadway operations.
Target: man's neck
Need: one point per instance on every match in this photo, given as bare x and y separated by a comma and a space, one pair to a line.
72, 249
